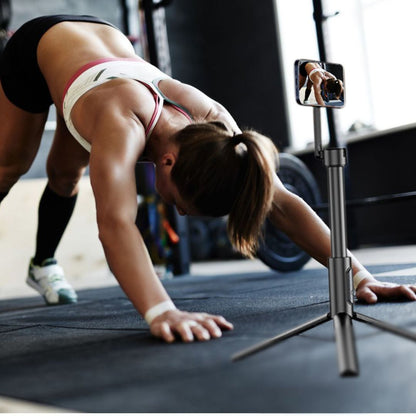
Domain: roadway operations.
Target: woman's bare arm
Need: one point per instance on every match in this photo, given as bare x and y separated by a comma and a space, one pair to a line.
118, 142
118, 139
304, 227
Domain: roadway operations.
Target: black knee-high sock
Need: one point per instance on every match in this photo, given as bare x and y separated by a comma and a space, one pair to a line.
53, 216
3, 195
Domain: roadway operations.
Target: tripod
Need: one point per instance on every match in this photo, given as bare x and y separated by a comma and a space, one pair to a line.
339, 269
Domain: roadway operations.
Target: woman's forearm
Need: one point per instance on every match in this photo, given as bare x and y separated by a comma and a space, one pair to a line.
130, 263
304, 227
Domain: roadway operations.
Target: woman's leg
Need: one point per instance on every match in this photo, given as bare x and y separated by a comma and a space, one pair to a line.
20, 135
66, 164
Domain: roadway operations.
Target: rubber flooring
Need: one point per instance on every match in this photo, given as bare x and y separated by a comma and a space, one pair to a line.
98, 355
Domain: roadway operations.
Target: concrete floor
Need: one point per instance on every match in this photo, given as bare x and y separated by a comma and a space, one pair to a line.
83, 259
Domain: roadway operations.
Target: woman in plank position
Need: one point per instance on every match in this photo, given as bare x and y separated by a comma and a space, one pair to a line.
324, 84
121, 109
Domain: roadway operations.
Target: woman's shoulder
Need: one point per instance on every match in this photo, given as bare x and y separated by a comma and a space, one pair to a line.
195, 101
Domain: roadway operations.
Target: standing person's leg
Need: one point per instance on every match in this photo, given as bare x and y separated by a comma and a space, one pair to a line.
66, 164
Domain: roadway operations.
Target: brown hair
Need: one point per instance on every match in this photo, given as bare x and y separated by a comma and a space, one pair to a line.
221, 174
334, 86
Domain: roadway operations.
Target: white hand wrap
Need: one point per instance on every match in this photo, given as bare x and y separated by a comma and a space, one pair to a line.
158, 309
360, 276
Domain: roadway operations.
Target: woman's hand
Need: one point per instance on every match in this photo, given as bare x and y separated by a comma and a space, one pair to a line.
188, 326
370, 290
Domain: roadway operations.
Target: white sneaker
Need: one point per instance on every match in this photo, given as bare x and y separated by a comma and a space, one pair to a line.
49, 280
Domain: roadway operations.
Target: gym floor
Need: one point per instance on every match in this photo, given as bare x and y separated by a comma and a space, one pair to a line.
98, 356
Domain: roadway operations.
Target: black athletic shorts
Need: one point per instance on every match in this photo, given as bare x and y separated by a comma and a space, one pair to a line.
20, 76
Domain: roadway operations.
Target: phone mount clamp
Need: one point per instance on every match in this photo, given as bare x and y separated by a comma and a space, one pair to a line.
339, 270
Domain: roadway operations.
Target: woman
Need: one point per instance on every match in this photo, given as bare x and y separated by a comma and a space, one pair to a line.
120, 109
325, 85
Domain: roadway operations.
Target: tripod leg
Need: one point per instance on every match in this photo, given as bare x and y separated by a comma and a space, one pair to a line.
291, 332
385, 326
344, 337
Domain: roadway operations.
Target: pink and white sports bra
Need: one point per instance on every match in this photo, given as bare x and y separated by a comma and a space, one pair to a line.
98, 72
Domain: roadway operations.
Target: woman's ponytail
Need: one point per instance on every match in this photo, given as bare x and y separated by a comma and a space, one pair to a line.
255, 198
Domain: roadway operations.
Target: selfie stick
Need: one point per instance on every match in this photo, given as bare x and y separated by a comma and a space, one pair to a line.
339, 270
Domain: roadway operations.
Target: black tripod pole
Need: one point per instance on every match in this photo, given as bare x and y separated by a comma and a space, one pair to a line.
339, 264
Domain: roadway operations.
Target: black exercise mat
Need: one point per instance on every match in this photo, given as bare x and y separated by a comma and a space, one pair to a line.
98, 356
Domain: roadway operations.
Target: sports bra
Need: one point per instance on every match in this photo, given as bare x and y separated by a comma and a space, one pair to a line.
103, 70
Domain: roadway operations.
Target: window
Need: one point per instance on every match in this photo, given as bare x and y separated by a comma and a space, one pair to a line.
372, 40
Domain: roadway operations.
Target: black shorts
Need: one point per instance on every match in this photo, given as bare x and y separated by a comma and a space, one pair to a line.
20, 75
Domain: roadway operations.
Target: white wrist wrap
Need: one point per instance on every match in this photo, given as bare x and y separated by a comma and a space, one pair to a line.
360, 276
158, 309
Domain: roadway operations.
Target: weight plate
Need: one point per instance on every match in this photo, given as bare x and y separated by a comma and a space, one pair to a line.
276, 250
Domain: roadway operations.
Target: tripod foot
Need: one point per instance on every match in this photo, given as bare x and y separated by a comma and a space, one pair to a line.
295, 331
385, 326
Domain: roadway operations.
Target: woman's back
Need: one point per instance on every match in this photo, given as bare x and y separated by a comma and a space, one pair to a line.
68, 46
